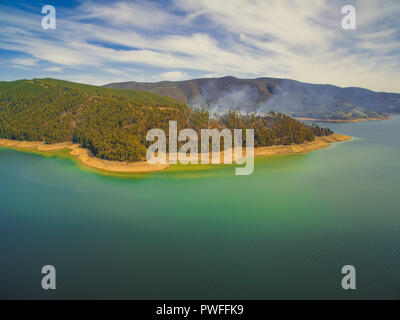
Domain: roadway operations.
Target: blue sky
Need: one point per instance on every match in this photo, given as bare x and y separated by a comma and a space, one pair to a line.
99, 42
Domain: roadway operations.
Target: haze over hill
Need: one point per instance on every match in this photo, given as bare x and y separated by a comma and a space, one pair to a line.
262, 95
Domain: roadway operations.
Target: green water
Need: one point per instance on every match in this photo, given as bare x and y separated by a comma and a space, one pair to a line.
284, 232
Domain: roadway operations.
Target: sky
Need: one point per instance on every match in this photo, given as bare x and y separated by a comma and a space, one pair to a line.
99, 42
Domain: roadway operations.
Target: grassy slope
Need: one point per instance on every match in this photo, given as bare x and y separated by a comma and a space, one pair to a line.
36, 86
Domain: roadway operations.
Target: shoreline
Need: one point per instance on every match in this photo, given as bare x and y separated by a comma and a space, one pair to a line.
84, 156
342, 121
309, 146
87, 159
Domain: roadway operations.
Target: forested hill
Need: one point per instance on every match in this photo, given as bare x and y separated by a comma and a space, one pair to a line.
113, 123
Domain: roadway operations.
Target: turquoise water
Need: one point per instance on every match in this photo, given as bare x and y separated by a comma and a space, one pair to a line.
284, 232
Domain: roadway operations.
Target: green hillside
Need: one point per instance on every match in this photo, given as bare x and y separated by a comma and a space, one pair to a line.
113, 123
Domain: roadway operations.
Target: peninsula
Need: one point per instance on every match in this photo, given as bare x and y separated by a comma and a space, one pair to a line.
106, 128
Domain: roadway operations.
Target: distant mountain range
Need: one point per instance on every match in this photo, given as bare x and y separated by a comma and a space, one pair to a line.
262, 95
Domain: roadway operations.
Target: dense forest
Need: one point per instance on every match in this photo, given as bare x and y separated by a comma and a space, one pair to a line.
113, 123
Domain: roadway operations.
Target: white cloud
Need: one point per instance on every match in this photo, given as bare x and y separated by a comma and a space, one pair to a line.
25, 61
306, 41
143, 15
174, 75
300, 39
53, 69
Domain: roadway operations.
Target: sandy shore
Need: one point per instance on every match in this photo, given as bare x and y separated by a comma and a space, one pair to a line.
318, 144
341, 121
87, 159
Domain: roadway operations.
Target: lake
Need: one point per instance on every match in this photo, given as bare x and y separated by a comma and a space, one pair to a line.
284, 232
